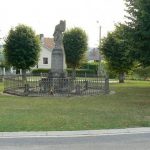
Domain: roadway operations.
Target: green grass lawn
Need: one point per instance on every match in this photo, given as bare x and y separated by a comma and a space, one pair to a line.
129, 107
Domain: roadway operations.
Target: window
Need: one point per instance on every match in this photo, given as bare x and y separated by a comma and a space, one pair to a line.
45, 60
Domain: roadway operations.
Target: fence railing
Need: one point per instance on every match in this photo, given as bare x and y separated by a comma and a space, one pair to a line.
1, 78
42, 85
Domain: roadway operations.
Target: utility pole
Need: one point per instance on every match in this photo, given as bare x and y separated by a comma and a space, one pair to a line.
99, 48
100, 28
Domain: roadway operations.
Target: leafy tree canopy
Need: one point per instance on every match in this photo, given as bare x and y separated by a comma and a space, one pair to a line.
22, 47
75, 45
116, 49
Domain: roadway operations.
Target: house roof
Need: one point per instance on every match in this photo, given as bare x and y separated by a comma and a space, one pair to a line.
48, 43
93, 54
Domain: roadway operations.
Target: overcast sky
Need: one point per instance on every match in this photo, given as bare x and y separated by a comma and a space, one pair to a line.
43, 15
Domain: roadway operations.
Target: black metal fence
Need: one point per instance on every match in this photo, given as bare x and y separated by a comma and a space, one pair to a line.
1, 77
42, 85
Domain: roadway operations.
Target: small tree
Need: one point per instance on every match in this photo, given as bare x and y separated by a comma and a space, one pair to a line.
117, 51
22, 48
75, 46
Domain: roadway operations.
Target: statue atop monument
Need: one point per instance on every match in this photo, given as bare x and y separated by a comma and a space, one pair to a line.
58, 59
58, 37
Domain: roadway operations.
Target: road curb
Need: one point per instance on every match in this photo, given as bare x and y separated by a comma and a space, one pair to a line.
82, 133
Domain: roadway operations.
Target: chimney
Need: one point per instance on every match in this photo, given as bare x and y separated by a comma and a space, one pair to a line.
42, 38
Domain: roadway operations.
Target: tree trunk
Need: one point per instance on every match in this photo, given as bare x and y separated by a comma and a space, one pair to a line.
73, 73
24, 76
121, 77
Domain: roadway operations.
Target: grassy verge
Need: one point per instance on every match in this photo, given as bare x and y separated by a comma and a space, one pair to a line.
129, 107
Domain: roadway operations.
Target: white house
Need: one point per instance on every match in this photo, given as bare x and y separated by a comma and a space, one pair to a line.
47, 45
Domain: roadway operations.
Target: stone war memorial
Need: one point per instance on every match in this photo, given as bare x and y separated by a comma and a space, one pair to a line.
57, 82
58, 64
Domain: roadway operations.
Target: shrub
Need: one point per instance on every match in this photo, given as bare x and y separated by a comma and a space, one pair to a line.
90, 66
82, 72
40, 70
142, 73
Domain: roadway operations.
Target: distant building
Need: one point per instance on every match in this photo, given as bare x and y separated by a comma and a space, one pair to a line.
3, 69
1, 60
1, 54
93, 54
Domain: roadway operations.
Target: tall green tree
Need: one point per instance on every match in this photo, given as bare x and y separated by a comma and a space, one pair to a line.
22, 48
75, 46
139, 22
117, 51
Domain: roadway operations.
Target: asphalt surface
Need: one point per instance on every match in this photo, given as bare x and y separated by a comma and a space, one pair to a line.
139, 141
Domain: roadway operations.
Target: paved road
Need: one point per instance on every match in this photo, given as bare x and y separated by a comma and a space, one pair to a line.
105, 142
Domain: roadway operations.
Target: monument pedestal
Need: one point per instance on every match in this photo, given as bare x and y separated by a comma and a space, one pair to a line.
58, 65
57, 75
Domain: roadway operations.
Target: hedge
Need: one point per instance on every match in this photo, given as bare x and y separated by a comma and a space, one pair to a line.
40, 70
82, 71
142, 73
90, 66
69, 70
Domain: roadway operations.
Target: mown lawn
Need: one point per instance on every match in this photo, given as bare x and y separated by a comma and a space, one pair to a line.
128, 107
